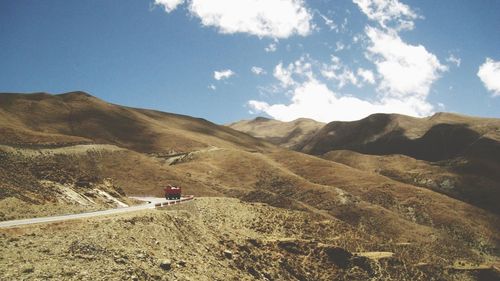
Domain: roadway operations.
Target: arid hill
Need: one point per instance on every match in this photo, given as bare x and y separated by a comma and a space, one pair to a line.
439, 137
285, 134
452, 154
447, 177
77, 144
45, 120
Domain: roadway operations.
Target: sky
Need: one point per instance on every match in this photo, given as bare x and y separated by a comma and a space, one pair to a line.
227, 60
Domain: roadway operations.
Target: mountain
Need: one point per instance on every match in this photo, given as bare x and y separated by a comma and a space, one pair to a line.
452, 154
59, 152
285, 134
439, 137
46, 120
65, 150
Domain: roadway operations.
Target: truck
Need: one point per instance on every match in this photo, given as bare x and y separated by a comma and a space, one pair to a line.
172, 192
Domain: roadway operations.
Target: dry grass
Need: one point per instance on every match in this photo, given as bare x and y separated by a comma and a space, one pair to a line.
243, 241
286, 134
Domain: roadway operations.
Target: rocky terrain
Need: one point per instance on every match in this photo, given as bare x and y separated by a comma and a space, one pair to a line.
266, 212
219, 239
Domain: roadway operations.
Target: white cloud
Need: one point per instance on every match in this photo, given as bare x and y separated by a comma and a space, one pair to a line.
169, 5
343, 77
283, 75
330, 23
271, 48
339, 46
390, 14
406, 70
311, 98
489, 73
257, 70
223, 74
454, 60
263, 18
301, 69
339, 72
212, 87
366, 75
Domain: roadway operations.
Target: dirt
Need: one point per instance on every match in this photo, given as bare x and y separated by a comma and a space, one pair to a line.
206, 239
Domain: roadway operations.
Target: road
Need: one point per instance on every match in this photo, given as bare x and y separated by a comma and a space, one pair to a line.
151, 201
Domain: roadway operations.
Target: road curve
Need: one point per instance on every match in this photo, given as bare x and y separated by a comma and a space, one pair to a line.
151, 202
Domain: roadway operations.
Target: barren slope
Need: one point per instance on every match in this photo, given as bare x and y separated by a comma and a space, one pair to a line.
72, 118
439, 137
447, 177
286, 134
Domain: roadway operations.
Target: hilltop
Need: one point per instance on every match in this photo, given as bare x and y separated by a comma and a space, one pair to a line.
286, 134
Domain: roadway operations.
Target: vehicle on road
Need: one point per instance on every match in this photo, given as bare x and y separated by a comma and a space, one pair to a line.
172, 192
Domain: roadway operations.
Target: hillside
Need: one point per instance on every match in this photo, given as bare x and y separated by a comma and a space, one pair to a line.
286, 134
439, 137
452, 154
445, 177
45, 120
80, 144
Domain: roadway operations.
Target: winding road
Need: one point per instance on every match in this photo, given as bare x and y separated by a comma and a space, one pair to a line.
151, 202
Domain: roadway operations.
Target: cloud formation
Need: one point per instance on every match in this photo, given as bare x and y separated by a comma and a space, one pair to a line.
169, 5
406, 70
262, 18
389, 14
366, 75
258, 70
312, 98
271, 48
489, 73
454, 60
223, 74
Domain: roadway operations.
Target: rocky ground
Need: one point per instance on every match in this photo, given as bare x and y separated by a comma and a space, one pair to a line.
216, 239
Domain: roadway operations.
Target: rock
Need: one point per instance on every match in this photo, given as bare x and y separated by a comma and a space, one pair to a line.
120, 260
182, 263
166, 264
447, 184
228, 254
134, 278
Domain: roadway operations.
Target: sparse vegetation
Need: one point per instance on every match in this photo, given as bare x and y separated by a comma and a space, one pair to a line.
301, 217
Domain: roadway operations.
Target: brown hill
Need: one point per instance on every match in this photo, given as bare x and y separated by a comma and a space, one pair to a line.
37, 157
439, 137
285, 134
447, 177
452, 154
75, 118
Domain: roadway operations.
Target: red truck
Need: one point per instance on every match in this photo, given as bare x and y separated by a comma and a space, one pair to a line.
172, 192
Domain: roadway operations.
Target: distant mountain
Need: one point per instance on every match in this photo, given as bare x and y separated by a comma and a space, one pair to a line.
42, 119
439, 137
452, 154
285, 134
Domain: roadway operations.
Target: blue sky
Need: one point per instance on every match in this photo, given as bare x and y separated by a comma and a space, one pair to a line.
228, 60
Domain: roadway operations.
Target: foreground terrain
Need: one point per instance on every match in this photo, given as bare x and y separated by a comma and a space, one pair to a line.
219, 239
